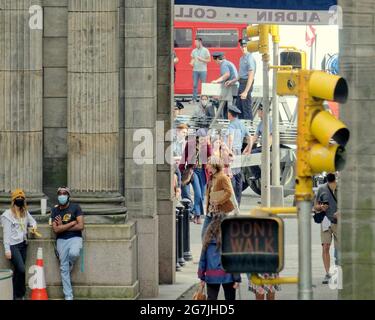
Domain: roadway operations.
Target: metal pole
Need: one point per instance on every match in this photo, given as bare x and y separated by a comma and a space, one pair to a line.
275, 122
181, 259
266, 155
304, 250
178, 267
186, 211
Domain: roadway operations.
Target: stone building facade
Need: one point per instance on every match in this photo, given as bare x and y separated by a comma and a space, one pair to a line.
72, 94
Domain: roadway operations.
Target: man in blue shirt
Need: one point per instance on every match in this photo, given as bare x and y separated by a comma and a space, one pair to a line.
228, 73
246, 79
67, 224
228, 70
237, 133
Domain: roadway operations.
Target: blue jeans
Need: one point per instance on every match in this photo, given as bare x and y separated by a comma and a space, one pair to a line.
18, 260
198, 75
199, 187
69, 251
237, 186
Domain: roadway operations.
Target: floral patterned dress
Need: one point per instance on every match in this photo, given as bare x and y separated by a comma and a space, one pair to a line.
264, 289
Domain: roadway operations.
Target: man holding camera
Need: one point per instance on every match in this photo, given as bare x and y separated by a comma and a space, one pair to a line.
326, 201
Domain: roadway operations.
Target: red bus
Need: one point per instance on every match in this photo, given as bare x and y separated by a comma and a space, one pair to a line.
221, 37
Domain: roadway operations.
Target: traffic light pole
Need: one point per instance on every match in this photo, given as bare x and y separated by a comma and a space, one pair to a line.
304, 193
304, 251
275, 121
266, 154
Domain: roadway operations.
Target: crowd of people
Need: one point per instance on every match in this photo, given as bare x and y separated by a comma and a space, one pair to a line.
204, 161
203, 164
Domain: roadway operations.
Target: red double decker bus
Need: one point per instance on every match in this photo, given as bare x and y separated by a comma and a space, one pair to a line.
221, 37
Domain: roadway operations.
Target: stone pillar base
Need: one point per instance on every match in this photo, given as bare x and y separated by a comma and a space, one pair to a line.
33, 202
102, 207
109, 269
96, 292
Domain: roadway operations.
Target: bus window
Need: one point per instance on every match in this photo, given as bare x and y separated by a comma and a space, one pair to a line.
183, 38
218, 38
244, 34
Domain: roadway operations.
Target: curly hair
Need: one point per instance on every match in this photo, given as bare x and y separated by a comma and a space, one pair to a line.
214, 231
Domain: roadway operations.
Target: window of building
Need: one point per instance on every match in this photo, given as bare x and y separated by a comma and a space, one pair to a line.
219, 38
183, 38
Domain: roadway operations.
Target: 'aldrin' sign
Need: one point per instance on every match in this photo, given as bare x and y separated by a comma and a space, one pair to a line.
323, 13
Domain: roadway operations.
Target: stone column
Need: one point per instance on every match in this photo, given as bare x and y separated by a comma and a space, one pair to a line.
357, 183
93, 109
140, 76
21, 82
166, 207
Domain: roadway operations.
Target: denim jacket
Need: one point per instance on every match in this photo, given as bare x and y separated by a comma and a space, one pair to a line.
210, 269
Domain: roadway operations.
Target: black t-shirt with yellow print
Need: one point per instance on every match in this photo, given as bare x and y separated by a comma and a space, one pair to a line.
67, 215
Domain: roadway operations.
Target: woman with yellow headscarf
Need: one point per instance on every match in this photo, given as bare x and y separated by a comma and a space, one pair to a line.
15, 222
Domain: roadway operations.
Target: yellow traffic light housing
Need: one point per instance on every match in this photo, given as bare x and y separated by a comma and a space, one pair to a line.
321, 137
262, 31
328, 87
275, 33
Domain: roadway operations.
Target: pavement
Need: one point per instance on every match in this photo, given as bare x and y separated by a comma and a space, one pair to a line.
187, 280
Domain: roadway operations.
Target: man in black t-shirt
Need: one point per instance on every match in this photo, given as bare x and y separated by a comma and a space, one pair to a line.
67, 224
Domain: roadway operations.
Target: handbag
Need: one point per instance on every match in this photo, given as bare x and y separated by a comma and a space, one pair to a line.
319, 216
199, 294
187, 175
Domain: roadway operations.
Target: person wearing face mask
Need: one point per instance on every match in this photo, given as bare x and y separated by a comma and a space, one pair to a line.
204, 109
15, 222
67, 224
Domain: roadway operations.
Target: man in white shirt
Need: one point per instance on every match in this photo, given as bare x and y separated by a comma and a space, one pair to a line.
200, 57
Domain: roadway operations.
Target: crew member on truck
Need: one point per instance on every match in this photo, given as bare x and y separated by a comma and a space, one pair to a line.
228, 75
246, 80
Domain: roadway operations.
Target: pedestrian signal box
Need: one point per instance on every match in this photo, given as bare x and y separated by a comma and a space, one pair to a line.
252, 244
293, 57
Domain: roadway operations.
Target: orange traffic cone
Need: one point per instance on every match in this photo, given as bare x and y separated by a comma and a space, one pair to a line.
37, 282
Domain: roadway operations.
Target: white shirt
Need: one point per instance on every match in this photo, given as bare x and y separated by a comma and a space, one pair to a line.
15, 230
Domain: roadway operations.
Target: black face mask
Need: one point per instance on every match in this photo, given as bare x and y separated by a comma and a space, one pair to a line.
19, 202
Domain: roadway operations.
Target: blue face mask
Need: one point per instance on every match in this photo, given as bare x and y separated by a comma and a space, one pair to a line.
63, 199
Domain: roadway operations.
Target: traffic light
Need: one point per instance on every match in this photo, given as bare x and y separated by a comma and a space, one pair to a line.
293, 57
262, 44
321, 138
252, 244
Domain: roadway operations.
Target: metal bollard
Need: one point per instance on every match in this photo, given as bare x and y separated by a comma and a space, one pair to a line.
178, 267
180, 237
186, 212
